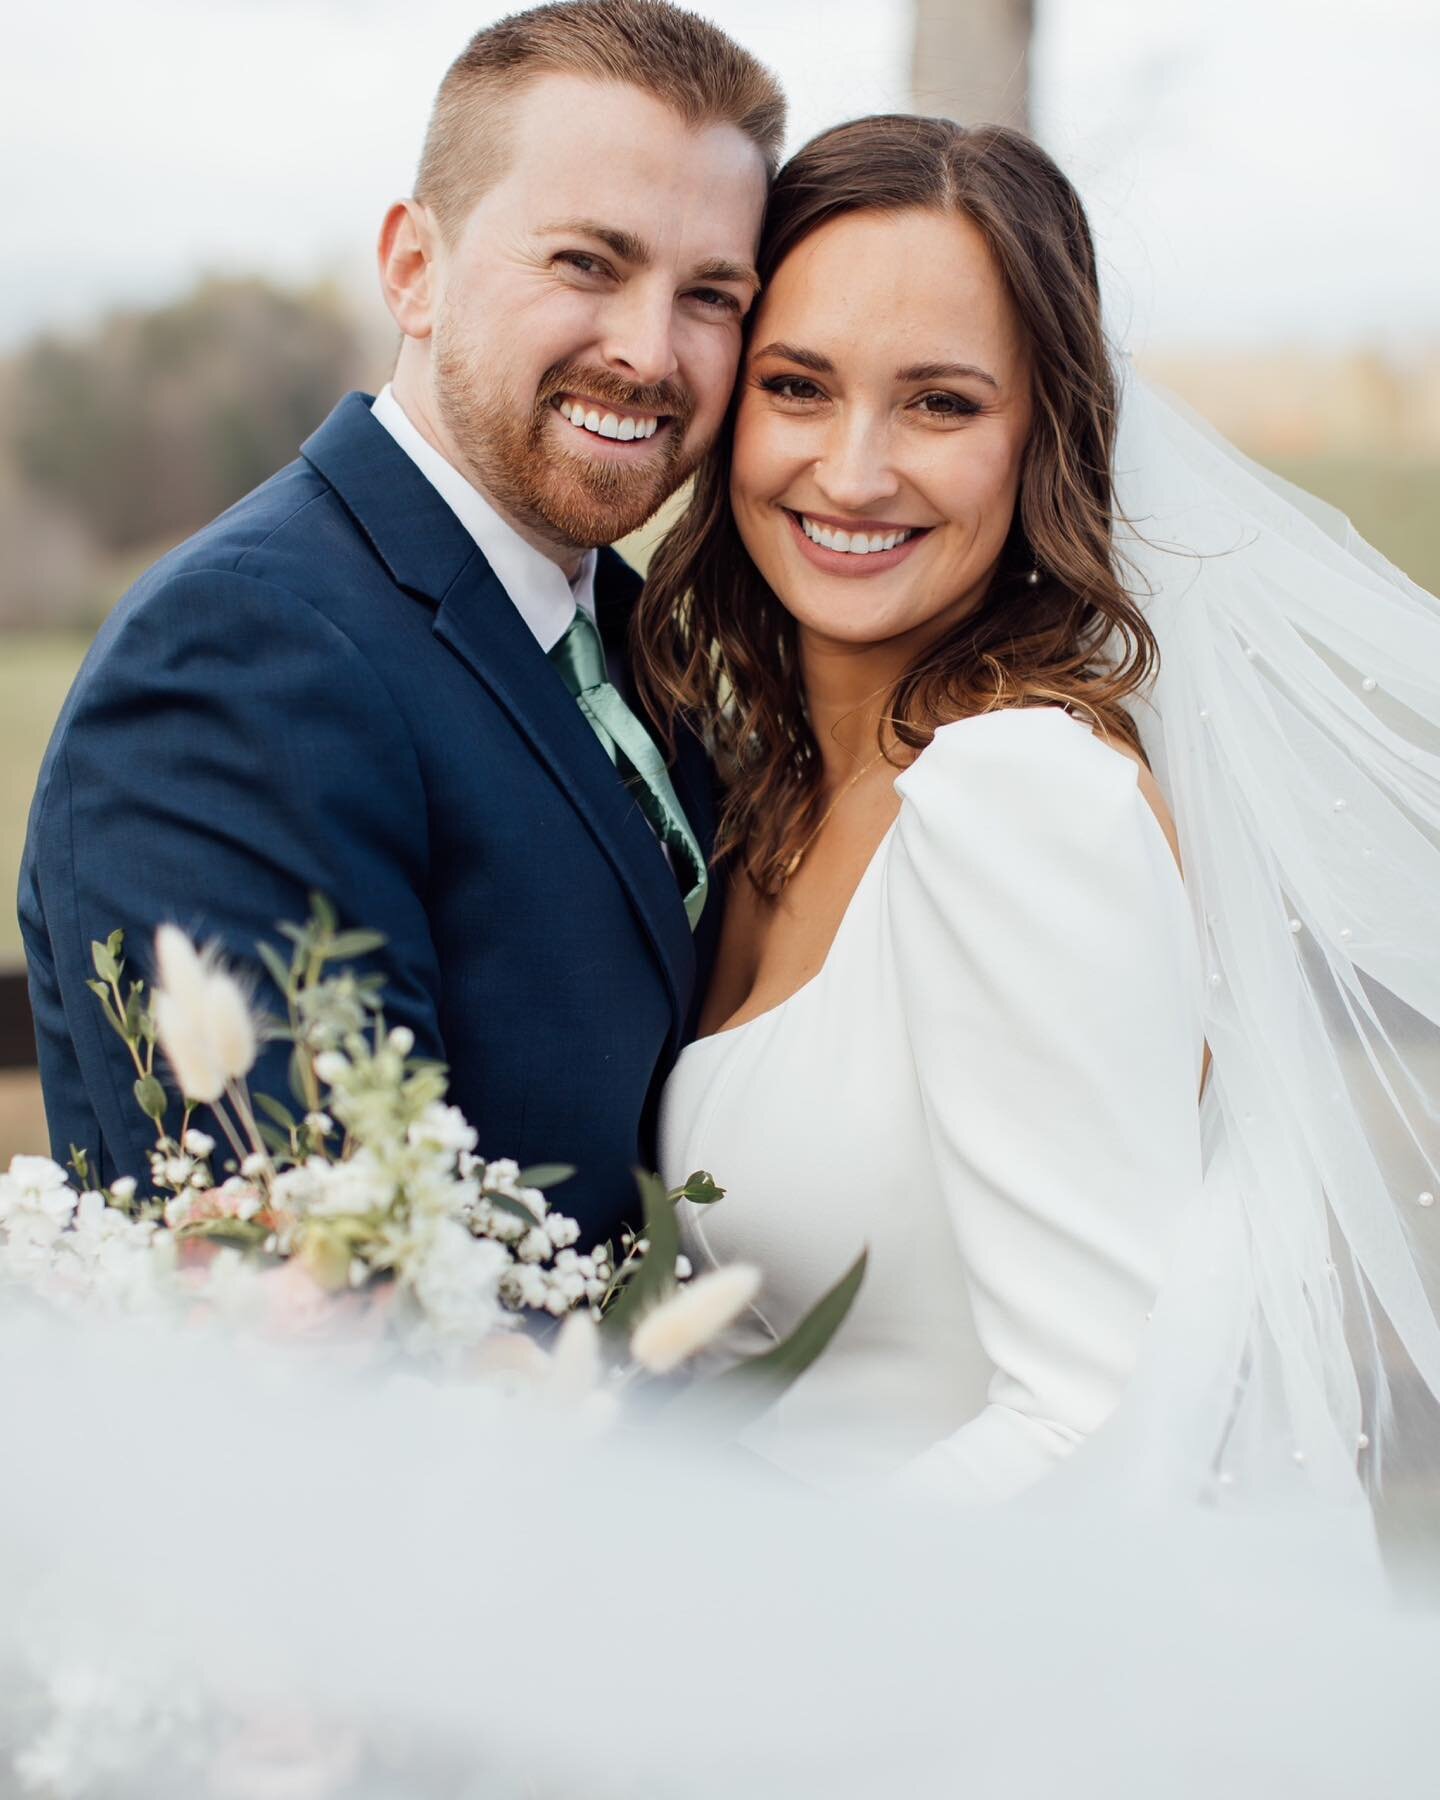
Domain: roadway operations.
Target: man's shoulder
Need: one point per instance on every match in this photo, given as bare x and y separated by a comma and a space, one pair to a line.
294, 518
283, 572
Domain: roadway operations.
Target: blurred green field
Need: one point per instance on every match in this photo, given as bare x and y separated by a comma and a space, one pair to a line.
1395, 503
36, 669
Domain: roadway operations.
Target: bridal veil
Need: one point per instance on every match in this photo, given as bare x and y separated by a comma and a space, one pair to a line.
1294, 725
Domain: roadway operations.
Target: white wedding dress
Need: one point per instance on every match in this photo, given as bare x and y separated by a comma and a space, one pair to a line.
992, 1083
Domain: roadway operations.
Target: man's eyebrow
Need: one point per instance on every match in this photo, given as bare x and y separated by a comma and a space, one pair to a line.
625, 244
716, 268
632, 249
945, 372
807, 359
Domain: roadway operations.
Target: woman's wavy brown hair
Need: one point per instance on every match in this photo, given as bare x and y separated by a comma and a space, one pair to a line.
711, 642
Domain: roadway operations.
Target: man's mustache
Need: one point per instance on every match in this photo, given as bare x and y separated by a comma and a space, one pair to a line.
602, 384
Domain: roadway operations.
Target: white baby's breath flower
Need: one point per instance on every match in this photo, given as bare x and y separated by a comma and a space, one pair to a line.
692, 1317
198, 1143
562, 1231
34, 1184
332, 1066
202, 1018
177, 1170
326, 1189
123, 1189
522, 1284
178, 1211
506, 1227
401, 1040
456, 1280
319, 1124
254, 1166
442, 1128
534, 1246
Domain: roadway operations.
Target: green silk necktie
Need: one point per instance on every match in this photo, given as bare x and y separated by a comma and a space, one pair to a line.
580, 659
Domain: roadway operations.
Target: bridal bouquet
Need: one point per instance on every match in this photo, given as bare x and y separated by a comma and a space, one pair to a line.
362, 1212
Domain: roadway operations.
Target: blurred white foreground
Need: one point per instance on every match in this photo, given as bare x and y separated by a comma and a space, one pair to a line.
227, 1571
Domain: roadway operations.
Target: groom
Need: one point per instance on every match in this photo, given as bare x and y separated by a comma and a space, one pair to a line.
396, 672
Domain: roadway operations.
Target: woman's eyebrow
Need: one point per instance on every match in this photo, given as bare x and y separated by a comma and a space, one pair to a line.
932, 371
945, 372
807, 359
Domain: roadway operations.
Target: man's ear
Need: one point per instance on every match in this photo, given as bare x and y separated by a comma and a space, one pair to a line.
409, 244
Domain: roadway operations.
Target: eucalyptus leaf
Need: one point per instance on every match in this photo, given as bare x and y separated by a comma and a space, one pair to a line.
700, 1189
322, 912
275, 1112
102, 993
106, 966
298, 1065
115, 943
747, 1389
349, 944
134, 1010
275, 1140
150, 1098
80, 1163
545, 1175
655, 1276
238, 1234
506, 1203
275, 966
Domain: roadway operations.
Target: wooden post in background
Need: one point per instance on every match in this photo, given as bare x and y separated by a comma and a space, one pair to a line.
970, 60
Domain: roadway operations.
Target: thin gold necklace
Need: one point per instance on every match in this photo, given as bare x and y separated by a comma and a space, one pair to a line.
799, 856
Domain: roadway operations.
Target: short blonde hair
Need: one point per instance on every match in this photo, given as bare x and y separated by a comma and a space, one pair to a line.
677, 57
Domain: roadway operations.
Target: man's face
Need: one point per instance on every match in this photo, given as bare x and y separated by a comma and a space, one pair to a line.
587, 318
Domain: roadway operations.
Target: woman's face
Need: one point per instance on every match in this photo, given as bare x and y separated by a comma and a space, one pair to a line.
881, 427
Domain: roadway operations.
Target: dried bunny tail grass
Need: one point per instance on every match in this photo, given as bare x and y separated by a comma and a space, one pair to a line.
203, 1019
693, 1317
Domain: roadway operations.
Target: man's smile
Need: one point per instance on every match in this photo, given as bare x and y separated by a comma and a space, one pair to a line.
606, 421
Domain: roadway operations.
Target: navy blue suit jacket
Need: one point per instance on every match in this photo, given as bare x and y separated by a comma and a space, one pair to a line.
327, 688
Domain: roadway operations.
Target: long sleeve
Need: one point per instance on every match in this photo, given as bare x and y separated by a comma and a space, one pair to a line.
1051, 990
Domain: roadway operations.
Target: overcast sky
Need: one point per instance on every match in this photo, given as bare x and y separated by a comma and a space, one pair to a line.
1258, 171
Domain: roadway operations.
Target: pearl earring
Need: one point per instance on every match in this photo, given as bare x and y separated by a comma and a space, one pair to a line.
1033, 578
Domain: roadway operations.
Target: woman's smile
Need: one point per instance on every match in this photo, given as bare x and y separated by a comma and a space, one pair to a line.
855, 547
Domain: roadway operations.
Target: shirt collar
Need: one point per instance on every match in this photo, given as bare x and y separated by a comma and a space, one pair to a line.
542, 595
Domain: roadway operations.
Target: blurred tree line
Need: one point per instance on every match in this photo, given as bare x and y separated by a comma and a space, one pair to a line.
117, 444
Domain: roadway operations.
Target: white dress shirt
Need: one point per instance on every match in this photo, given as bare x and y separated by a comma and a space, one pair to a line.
543, 596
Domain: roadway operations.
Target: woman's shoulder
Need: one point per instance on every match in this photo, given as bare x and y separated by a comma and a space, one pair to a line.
1036, 770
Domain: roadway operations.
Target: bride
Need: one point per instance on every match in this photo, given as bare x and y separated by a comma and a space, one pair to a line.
1081, 838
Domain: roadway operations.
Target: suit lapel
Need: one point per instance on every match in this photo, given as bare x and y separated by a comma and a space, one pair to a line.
429, 553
